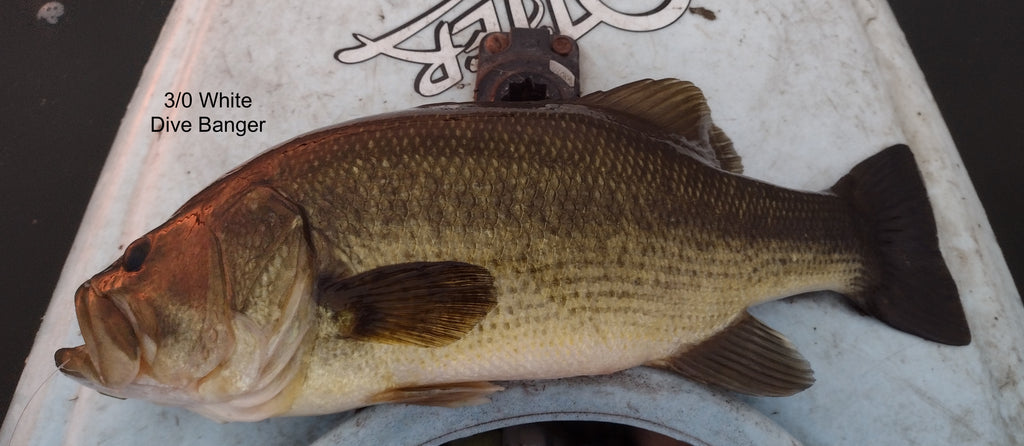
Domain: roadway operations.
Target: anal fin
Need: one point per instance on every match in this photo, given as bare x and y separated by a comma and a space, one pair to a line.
444, 395
746, 357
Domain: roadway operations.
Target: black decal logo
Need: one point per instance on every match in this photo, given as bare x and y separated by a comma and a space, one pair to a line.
456, 39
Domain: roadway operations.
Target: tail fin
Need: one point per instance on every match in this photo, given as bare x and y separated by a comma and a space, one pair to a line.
911, 290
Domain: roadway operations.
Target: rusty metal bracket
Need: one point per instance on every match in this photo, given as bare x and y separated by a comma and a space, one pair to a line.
527, 65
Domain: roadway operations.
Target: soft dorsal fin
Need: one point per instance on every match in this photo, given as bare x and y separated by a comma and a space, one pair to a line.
746, 357
678, 107
428, 304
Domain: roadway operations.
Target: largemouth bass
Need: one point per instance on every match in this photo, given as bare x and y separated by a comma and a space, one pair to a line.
420, 256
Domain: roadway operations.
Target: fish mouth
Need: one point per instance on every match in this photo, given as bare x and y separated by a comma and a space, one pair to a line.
110, 356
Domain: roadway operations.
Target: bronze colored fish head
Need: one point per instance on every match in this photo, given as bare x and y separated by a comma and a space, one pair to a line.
211, 305
159, 312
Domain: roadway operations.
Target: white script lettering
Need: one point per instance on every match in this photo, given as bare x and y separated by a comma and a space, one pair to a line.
460, 36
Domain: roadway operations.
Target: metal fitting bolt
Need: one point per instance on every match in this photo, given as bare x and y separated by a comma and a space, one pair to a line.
495, 43
561, 45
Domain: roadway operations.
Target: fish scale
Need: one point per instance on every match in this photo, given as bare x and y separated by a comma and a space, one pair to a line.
562, 205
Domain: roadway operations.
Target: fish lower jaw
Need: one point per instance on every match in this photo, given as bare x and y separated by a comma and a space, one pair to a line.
74, 362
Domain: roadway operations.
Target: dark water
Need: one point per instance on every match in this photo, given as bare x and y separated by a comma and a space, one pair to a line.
568, 433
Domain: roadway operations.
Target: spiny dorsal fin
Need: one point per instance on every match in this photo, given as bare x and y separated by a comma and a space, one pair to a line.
444, 395
678, 107
429, 304
747, 357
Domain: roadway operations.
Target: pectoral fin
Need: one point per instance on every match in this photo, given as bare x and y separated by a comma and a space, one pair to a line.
444, 395
747, 357
429, 304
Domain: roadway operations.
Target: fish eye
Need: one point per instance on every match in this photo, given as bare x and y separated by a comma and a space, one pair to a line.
135, 255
